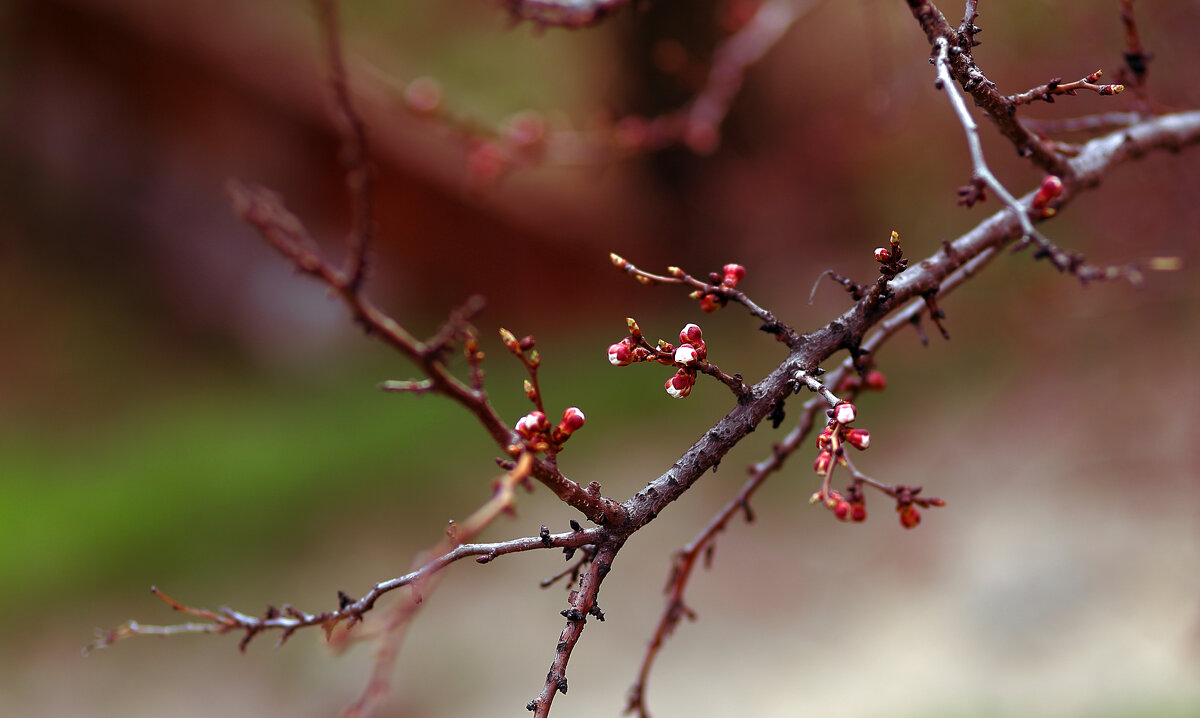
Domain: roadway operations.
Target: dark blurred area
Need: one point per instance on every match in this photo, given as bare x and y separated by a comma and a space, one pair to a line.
178, 407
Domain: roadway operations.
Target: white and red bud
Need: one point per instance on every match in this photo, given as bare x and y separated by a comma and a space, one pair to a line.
858, 438
572, 421
532, 424
680, 384
844, 413
691, 334
618, 261
686, 354
621, 353
883, 254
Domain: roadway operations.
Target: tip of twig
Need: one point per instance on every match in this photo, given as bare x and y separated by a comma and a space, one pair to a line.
1164, 264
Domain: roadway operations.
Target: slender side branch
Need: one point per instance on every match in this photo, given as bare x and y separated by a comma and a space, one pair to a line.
1056, 87
355, 155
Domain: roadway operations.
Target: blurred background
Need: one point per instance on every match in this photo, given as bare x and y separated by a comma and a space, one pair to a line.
178, 408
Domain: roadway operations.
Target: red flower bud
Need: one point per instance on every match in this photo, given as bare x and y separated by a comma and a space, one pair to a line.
859, 438
1051, 188
691, 334
710, 303
909, 516
876, 381
858, 512
680, 385
823, 463
825, 440
572, 420
841, 509
848, 383
734, 273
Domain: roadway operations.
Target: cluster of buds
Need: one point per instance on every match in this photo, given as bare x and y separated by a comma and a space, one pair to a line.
907, 503
1052, 187
891, 258
850, 506
690, 353
873, 380
836, 433
534, 428
730, 275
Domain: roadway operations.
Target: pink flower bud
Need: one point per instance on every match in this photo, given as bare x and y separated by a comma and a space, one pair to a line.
710, 303
572, 420
858, 438
620, 354
1051, 188
876, 381
734, 273
844, 413
680, 385
691, 334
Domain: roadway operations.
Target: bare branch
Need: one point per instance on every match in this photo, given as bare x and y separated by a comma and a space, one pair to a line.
1047, 92
355, 155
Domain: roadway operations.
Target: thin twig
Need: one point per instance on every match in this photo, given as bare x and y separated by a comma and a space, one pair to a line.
355, 154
